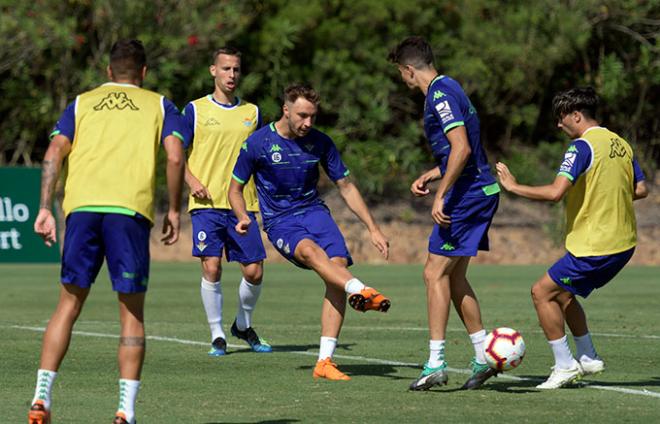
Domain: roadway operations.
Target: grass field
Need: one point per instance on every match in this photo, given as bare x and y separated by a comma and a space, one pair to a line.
381, 352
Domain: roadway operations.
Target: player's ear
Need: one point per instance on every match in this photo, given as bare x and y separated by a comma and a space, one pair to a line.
144, 71
212, 70
285, 109
108, 70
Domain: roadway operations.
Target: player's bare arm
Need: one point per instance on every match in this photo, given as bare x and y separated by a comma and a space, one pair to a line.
552, 192
237, 202
458, 157
355, 203
641, 191
418, 187
174, 171
197, 189
44, 225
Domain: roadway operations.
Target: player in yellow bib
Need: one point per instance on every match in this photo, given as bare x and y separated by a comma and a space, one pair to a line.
218, 125
109, 137
600, 178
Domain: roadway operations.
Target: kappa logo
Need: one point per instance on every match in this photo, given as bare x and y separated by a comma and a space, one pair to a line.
438, 95
116, 100
211, 121
448, 246
567, 281
617, 149
445, 112
244, 146
275, 148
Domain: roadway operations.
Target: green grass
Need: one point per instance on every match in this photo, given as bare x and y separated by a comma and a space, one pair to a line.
181, 384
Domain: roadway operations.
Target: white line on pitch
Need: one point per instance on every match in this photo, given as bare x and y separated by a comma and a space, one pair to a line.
643, 392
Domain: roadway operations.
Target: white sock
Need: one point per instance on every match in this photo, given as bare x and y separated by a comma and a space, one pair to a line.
45, 379
128, 390
212, 300
585, 347
436, 353
563, 357
353, 286
478, 340
327, 347
248, 294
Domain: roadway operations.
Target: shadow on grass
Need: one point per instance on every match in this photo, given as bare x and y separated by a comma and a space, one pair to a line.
280, 421
374, 370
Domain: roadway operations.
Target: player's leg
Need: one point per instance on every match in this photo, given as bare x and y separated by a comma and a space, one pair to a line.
437, 271
209, 235
55, 345
332, 318
212, 300
130, 354
585, 351
467, 306
549, 301
82, 258
248, 250
127, 252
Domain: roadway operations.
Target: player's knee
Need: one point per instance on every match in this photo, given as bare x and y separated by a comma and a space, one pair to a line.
537, 293
254, 273
211, 271
308, 253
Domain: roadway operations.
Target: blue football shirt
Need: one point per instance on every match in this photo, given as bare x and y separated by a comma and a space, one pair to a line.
286, 172
447, 107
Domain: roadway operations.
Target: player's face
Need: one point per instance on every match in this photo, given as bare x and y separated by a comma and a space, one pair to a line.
568, 124
407, 75
300, 116
226, 71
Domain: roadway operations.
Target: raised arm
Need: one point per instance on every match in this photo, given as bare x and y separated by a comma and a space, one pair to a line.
553, 192
355, 203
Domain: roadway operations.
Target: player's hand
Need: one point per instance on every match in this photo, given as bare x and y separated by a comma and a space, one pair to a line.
199, 191
243, 225
505, 176
438, 213
44, 225
171, 228
379, 240
418, 187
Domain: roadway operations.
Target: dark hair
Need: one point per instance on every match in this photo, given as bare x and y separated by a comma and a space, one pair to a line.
127, 58
414, 51
293, 91
228, 50
581, 99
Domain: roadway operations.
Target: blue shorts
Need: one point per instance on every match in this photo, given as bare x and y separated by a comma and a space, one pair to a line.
123, 240
214, 229
584, 274
315, 224
468, 232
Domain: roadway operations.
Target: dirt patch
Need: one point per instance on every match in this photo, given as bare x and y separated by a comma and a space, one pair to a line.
523, 232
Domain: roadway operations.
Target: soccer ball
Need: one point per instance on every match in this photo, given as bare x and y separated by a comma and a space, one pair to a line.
504, 349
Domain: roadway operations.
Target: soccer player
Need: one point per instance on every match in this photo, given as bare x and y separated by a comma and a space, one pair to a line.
284, 158
600, 178
218, 124
463, 208
109, 136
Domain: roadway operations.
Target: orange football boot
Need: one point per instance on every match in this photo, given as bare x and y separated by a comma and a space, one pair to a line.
38, 414
327, 369
120, 418
369, 300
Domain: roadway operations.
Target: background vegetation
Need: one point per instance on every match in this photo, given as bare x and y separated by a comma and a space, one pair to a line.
511, 57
